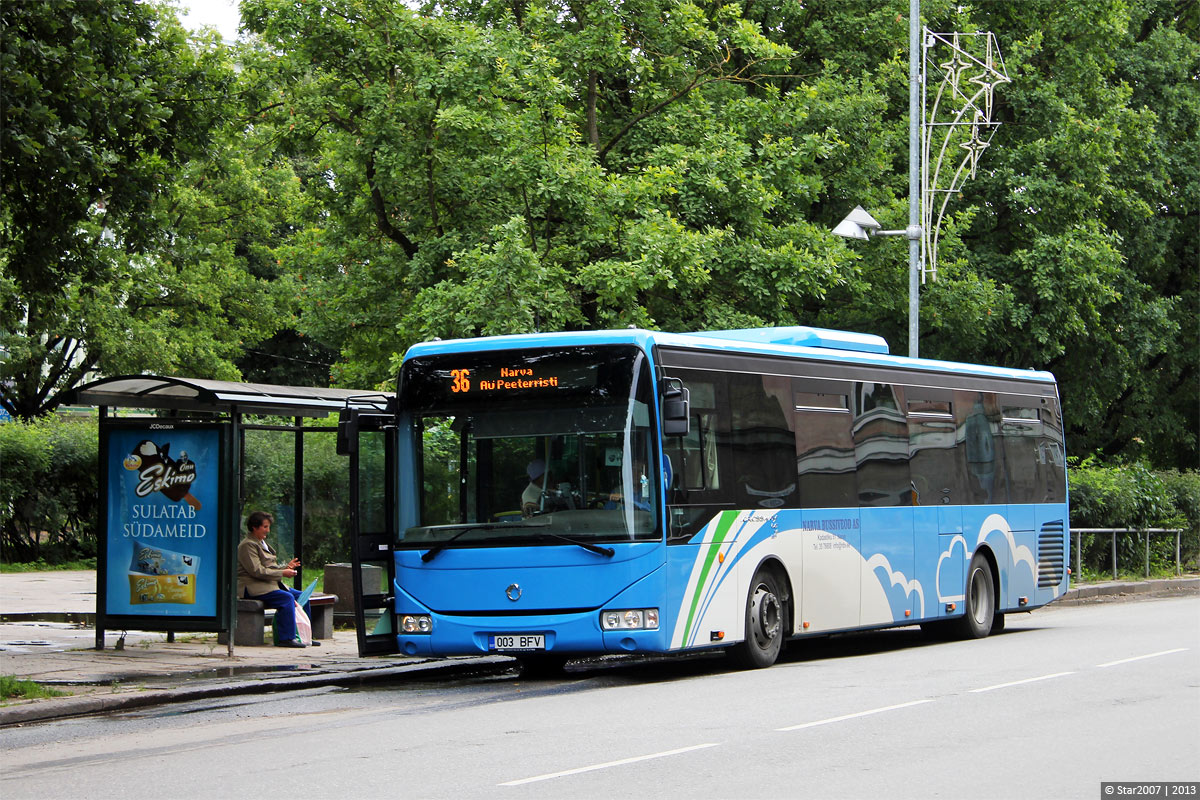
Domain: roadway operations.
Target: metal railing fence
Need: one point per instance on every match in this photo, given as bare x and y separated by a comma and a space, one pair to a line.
1078, 533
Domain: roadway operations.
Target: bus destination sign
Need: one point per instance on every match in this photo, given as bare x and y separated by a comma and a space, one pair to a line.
463, 381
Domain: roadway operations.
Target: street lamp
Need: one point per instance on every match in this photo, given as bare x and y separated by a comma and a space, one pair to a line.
858, 224
854, 222
961, 119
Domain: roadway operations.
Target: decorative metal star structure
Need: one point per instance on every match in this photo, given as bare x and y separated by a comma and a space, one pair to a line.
967, 67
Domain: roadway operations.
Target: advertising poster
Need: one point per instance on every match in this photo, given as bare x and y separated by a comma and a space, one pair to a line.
161, 545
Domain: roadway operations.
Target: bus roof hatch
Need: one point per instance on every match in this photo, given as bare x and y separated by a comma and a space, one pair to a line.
803, 336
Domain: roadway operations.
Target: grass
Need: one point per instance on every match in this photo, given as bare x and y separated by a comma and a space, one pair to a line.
1157, 572
12, 686
42, 566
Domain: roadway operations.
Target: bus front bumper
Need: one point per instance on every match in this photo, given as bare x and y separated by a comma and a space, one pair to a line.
525, 635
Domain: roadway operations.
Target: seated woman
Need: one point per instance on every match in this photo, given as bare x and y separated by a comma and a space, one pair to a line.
258, 578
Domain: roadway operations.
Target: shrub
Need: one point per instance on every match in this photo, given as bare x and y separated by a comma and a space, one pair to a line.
1133, 496
49, 493
49, 501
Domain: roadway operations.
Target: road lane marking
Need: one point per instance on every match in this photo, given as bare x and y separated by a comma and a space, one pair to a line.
1140, 658
1018, 683
854, 716
608, 764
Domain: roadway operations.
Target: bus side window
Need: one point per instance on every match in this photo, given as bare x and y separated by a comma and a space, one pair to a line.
824, 444
935, 460
881, 445
694, 457
1033, 439
977, 415
762, 441
1052, 453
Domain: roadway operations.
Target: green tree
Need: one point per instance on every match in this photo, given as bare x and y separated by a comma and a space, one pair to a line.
131, 207
503, 167
512, 167
1075, 247
1090, 218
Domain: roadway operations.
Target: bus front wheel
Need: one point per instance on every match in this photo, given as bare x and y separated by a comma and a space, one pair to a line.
764, 623
980, 601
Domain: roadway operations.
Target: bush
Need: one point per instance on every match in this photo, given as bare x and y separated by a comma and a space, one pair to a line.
49, 501
1133, 496
1184, 490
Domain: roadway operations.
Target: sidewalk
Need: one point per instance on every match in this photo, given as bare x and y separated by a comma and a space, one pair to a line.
48, 635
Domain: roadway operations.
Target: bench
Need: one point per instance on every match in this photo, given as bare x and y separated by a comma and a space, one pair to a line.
252, 620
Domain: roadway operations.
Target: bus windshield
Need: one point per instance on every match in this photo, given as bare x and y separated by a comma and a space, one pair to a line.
538, 447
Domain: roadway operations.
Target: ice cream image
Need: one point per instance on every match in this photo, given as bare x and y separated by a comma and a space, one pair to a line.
161, 473
159, 575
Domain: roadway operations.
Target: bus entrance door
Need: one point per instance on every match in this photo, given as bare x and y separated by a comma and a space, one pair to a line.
369, 439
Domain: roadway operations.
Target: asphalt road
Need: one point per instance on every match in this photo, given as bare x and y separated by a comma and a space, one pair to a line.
1067, 698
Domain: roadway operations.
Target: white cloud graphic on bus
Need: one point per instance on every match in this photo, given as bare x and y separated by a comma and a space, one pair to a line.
957, 582
898, 587
1010, 557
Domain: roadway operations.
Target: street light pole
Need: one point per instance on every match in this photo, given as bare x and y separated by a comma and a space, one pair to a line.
861, 225
969, 80
913, 232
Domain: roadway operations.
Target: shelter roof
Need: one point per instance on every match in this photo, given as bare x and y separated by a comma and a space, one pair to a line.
199, 394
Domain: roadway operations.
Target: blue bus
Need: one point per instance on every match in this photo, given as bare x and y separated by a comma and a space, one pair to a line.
630, 491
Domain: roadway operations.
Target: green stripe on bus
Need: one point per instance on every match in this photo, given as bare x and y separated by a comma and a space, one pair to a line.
723, 525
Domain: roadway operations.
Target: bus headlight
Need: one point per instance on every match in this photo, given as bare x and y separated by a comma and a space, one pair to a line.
416, 623
629, 619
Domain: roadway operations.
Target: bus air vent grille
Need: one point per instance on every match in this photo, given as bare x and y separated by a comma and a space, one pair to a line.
1051, 555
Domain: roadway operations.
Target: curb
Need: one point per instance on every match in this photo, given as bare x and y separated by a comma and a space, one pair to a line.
80, 706
1167, 587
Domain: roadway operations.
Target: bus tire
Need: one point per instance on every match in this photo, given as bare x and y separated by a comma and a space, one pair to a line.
980, 601
997, 623
764, 623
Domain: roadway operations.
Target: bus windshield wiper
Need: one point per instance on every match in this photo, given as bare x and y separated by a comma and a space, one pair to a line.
467, 527
591, 548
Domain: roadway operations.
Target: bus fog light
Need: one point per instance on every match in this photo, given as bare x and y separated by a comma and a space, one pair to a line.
416, 623
630, 619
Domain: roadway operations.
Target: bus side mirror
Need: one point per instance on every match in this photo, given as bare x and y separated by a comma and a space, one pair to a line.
347, 432
676, 403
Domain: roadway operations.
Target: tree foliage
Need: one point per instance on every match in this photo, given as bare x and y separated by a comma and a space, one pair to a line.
49, 500
132, 206
501, 168
1089, 219
402, 171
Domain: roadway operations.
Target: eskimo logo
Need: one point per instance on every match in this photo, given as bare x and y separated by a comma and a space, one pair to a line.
158, 472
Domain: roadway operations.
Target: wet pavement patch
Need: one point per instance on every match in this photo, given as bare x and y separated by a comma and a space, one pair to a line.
79, 619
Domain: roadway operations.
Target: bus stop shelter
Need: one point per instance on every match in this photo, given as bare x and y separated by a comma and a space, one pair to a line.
171, 490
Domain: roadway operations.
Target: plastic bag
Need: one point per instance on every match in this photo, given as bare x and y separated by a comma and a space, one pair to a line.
303, 627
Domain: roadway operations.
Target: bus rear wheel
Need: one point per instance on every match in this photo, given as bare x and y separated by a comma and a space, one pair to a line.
764, 623
980, 601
